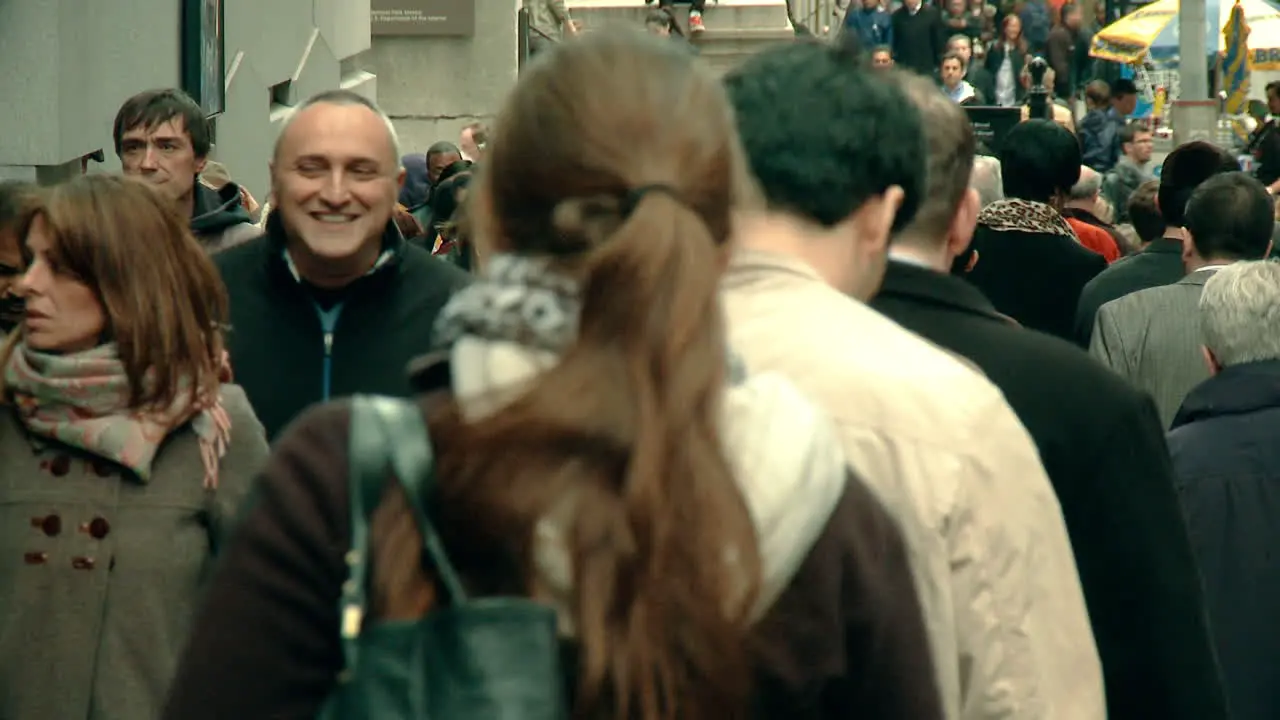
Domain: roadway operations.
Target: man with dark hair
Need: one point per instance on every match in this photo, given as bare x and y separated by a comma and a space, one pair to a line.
439, 157
1151, 336
1144, 213
882, 57
444, 160
935, 440
1135, 144
162, 137
1160, 263
954, 85
1124, 100
1030, 263
974, 73
1143, 592
17, 202
331, 301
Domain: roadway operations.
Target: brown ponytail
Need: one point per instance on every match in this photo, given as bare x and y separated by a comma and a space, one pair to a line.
619, 443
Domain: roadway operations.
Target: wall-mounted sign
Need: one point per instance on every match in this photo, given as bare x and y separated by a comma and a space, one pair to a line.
423, 17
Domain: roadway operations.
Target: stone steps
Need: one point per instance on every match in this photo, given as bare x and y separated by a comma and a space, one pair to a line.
726, 15
723, 50
736, 29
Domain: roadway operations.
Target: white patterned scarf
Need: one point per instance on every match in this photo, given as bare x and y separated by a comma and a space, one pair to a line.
521, 314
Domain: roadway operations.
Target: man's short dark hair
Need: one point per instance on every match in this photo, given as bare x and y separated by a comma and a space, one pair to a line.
1184, 170
1144, 212
1273, 88
824, 135
1038, 159
1130, 131
1231, 217
1123, 87
156, 107
952, 55
443, 147
952, 146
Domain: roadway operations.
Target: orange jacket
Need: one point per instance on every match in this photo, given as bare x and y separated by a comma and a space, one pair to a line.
1096, 239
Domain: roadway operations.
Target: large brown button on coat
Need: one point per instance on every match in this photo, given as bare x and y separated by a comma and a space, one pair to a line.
99, 527
50, 525
107, 599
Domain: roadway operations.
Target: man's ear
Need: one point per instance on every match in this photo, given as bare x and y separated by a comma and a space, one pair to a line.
874, 220
200, 164
963, 224
400, 176
1211, 360
1188, 246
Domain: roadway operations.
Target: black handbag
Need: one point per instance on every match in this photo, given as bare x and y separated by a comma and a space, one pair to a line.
494, 658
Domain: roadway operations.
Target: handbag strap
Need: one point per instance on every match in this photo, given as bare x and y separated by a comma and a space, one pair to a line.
387, 434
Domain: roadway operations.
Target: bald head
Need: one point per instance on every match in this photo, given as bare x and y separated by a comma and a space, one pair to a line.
1087, 187
353, 106
334, 177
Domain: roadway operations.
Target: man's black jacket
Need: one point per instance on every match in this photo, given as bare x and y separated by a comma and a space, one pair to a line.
1104, 450
283, 354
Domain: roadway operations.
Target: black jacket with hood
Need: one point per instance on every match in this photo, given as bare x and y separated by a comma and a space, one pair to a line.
218, 218
293, 345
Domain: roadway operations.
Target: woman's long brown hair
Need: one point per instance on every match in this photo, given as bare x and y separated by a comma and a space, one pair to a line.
620, 442
1021, 42
165, 304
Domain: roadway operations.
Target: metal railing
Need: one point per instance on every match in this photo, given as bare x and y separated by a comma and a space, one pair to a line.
817, 17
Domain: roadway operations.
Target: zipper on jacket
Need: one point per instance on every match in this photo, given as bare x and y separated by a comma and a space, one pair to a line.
328, 324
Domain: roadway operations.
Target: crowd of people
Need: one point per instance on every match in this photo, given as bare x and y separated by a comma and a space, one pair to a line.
716, 417
1001, 39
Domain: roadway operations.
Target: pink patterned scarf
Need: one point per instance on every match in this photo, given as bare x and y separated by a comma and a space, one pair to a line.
81, 400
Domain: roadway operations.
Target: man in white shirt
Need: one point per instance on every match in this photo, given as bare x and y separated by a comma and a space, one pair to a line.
935, 440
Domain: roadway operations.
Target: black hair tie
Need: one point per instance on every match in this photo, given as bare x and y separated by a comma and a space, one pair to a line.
633, 196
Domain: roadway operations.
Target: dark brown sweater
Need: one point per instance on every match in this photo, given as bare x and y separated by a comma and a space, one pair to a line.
844, 640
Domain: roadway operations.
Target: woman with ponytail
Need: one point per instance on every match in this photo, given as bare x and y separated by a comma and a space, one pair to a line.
597, 448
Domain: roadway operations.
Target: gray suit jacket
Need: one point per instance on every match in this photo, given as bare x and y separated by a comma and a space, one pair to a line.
1152, 339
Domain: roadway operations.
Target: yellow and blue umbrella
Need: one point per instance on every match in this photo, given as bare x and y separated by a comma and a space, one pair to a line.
1236, 60
1150, 33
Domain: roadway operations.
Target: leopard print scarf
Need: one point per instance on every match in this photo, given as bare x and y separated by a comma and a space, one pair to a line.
1024, 216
